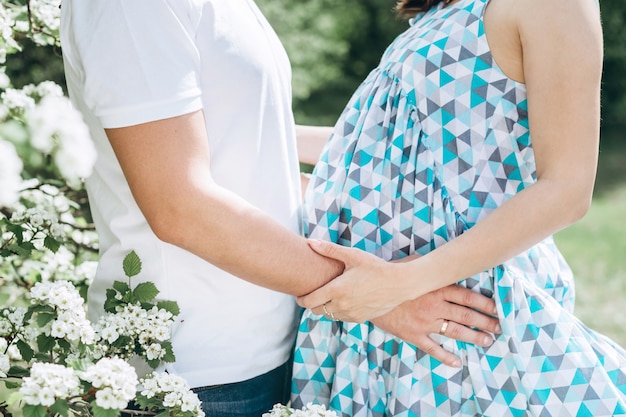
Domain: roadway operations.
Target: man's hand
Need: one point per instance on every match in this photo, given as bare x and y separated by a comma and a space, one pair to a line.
465, 310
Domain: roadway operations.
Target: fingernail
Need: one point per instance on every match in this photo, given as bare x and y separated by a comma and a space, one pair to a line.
314, 242
498, 329
495, 310
456, 363
487, 341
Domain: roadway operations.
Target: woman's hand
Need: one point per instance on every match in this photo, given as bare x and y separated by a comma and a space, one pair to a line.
368, 288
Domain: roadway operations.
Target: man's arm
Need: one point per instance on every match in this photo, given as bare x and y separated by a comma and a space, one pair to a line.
167, 166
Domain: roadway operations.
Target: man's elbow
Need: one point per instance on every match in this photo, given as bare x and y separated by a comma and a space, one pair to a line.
166, 224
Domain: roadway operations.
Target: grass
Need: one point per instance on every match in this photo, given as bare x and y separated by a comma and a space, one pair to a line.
595, 248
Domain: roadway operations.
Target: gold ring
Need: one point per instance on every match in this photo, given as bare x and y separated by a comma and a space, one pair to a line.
328, 313
444, 327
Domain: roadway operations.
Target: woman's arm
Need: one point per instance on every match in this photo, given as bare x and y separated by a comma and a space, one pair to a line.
561, 42
311, 141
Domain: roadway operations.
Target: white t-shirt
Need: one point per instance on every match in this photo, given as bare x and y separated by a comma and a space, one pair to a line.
133, 61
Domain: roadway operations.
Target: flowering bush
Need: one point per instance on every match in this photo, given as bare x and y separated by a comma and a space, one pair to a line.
53, 361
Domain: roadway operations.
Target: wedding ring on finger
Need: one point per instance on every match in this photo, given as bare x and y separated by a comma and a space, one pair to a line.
444, 327
328, 314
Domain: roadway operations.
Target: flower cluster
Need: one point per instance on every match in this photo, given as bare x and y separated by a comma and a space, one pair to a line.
39, 20
171, 391
115, 380
53, 128
58, 129
131, 322
11, 321
311, 410
49, 382
68, 319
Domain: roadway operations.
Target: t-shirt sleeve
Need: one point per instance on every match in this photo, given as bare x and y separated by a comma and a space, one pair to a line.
139, 60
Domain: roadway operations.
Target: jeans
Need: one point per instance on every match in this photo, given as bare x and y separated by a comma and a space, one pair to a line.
249, 398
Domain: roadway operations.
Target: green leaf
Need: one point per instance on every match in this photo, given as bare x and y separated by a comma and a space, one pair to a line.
145, 292
122, 341
171, 306
146, 404
110, 303
44, 318
34, 411
152, 363
102, 412
169, 352
18, 371
164, 413
45, 343
25, 350
52, 244
11, 385
19, 250
147, 306
131, 264
80, 364
60, 407
17, 230
38, 308
121, 287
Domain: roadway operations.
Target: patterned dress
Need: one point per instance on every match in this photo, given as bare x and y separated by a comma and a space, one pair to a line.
434, 140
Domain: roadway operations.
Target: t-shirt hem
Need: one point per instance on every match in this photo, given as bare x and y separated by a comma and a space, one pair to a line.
213, 376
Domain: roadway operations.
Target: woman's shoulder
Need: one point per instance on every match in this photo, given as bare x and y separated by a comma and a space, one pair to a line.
561, 15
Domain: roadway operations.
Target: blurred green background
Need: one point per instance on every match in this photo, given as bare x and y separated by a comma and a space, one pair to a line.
334, 44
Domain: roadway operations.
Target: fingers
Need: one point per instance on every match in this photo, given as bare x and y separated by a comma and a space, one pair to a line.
468, 298
429, 346
471, 318
332, 250
324, 310
465, 334
315, 300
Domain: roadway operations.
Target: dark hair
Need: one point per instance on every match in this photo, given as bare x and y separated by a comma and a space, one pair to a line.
412, 7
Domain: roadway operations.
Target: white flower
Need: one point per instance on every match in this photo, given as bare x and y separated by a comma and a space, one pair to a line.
155, 351
109, 334
57, 231
59, 329
36, 220
172, 399
10, 174
45, 396
5, 327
